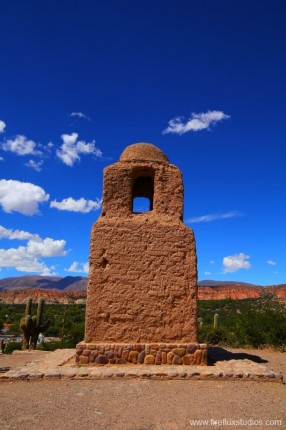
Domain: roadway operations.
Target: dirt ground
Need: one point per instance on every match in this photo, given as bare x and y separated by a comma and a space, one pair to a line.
145, 404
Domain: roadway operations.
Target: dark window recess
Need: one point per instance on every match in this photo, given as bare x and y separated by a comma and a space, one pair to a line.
143, 194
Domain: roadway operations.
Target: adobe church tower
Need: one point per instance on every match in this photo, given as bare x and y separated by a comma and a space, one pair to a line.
142, 289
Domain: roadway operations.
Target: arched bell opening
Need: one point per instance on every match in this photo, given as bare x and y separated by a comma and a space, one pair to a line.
143, 191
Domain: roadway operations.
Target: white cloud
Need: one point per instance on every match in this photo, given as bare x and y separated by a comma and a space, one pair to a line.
2, 126
71, 149
28, 258
36, 246
271, 262
212, 262
21, 146
46, 248
197, 122
214, 217
80, 115
37, 165
232, 263
80, 205
77, 267
22, 197
21, 260
7, 233
1, 158
208, 273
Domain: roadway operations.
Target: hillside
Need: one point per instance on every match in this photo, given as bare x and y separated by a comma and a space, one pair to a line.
68, 283
50, 296
230, 291
72, 288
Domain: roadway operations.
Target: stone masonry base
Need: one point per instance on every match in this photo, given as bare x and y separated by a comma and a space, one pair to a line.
151, 353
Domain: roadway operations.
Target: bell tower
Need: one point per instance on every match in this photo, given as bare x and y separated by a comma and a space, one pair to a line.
142, 288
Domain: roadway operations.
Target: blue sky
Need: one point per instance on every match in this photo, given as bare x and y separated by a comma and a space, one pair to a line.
203, 80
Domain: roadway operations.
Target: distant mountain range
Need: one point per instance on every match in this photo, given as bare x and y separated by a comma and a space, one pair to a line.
79, 283
210, 283
72, 289
69, 283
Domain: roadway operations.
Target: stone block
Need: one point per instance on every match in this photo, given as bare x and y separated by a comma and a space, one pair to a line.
186, 360
191, 348
83, 359
118, 350
92, 356
149, 359
101, 359
109, 354
91, 346
204, 359
179, 351
164, 357
198, 356
170, 356
133, 357
101, 349
154, 346
177, 360
125, 354
141, 357
158, 357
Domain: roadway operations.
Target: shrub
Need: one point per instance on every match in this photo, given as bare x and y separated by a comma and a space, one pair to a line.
259, 323
52, 346
12, 346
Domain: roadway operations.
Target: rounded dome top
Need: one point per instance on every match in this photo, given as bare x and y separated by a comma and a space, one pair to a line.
143, 151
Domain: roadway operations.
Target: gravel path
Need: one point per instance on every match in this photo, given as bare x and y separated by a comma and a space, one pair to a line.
144, 404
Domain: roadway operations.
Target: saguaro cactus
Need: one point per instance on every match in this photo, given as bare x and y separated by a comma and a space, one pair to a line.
32, 326
216, 321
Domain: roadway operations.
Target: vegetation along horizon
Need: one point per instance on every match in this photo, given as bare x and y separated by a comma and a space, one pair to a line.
247, 323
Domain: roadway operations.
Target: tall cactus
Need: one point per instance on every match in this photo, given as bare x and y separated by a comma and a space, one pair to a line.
32, 326
25, 325
216, 321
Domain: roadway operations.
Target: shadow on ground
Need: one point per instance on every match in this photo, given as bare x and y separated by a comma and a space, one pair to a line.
216, 353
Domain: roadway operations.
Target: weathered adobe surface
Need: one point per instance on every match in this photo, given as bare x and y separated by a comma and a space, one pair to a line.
143, 277
125, 307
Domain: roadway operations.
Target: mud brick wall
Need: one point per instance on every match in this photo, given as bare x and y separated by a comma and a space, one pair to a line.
141, 288
143, 270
